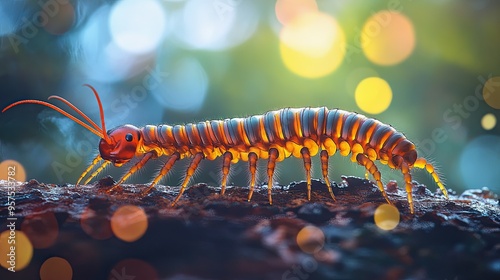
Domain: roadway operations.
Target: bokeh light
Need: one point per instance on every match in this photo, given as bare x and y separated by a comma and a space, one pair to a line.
134, 269
386, 217
388, 38
102, 58
129, 223
488, 121
56, 268
23, 249
310, 239
60, 17
185, 87
491, 92
373, 95
41, 229
10, 168
95, 225
479, 163
216, 25
287, 10
137, 26
312, 45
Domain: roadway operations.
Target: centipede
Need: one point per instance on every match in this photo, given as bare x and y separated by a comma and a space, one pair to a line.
273, 136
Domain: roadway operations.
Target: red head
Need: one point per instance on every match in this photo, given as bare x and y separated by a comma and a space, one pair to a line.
121, 144
117, 145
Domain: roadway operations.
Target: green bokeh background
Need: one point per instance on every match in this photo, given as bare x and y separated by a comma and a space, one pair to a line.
457, 48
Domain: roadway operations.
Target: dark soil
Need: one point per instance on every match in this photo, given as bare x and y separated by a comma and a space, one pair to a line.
208, 236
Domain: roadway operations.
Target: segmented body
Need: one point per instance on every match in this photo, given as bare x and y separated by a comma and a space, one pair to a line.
301, 132
276, 135
287, 130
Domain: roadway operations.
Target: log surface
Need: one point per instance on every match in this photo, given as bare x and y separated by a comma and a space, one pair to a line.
208, 236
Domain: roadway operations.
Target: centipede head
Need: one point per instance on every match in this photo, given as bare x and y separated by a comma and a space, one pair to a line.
121, 144
117, 145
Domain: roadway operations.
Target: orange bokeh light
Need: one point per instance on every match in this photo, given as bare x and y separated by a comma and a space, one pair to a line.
12, 170
129, 223
23, 250
312, 45
310, 239
287, 10
388, 38
56, 268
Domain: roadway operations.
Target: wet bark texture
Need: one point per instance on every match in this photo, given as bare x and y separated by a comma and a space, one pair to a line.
208, 236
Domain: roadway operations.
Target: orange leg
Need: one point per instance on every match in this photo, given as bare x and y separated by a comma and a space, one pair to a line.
422, 163
226, 162
306, 156
132, 170
409, 187
252, 165
97, 171
189, 173
96, 160
324, 169
271, 165
165, 169
372, 168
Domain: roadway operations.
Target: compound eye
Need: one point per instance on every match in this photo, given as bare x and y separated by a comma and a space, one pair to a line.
129, 137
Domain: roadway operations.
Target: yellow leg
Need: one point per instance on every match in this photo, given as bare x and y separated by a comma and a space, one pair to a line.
189, 173
96, 160
97, 171
423, 164
324, 169
271, 165
307, 166
165, 169
132, 170
252, 165
407, 176
226, 162
372, 168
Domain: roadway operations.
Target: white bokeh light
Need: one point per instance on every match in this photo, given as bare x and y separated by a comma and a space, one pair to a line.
100, 58
137, 26
186, 86
216, 25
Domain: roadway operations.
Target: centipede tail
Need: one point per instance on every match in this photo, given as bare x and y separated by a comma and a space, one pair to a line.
423, 164
275, 135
